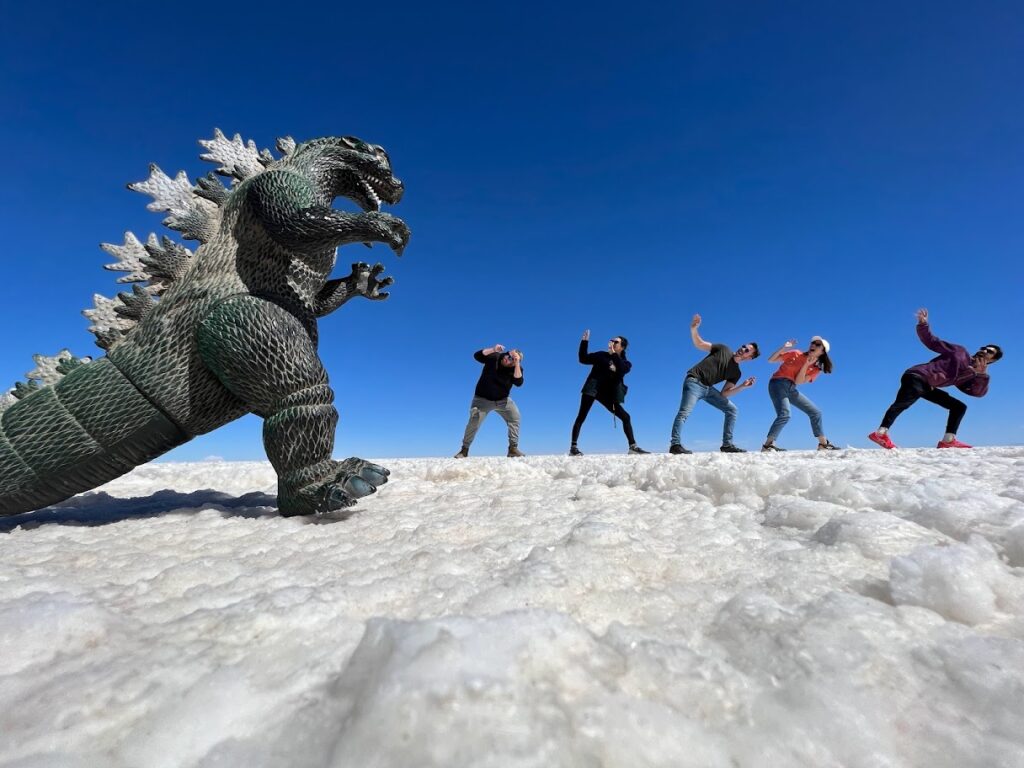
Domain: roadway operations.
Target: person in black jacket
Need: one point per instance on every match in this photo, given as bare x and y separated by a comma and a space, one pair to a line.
503, 369
605, 385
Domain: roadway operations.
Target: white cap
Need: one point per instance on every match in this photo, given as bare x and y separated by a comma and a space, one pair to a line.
824, 342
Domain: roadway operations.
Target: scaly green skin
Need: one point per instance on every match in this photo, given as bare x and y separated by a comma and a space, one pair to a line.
233, 332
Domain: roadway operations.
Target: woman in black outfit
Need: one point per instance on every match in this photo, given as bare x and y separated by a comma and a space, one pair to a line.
604, 384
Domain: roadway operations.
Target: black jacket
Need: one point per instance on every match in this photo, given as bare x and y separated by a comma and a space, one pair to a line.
603, 383
496, 381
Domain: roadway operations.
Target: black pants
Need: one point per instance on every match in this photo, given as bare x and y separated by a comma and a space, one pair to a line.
913, 387
586, 401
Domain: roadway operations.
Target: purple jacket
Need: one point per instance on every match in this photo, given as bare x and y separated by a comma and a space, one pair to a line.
951, 368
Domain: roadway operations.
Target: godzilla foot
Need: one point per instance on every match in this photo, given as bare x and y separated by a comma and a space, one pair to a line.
338, 484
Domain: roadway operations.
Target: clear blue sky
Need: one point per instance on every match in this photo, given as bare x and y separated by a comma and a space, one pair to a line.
785, 169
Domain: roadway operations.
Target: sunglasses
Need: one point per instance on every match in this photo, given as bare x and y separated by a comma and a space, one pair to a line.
615, 341
817, 344
989, 350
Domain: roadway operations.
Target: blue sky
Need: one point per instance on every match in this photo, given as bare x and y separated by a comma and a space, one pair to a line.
785, 169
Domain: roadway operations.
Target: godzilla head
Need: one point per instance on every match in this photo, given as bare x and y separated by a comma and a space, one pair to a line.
351, 168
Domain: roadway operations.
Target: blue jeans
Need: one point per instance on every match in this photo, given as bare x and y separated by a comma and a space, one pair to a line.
783, 392
693, 391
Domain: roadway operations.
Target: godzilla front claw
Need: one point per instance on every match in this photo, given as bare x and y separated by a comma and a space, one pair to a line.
395, 232
364, 281
400, 238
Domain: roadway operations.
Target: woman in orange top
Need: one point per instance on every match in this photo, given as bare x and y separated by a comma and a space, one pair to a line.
797, 368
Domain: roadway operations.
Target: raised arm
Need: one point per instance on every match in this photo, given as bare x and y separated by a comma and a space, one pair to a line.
585, 358
481, 355
778, 353
287, 207
698, 342
811, 359
929, 339
517, 371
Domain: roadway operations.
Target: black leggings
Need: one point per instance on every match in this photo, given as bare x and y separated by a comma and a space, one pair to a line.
586, 401
913, 387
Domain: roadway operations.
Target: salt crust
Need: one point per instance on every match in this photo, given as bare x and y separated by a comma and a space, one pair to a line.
855, 609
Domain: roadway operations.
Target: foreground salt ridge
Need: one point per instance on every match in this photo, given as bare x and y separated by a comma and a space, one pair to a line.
860, 609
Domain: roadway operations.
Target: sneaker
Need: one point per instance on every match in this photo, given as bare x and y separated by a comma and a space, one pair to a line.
677, 449
827, 446
768, 448
514, 452
954, 443
463, 453
634, 448
730, 448
574, 451
882, 438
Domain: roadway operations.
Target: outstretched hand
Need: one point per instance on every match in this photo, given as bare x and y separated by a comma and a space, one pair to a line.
499, 348
749, 382
586, 335
922, 316
789, 344
695, 322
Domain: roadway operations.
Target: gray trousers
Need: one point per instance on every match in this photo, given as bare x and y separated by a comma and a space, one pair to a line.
478, 411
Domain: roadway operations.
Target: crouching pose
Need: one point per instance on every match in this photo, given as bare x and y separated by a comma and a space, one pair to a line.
797, 368
502, 370
721, 364
604, 384
953, 366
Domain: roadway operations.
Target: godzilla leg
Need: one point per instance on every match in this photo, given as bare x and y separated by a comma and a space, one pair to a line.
265, 356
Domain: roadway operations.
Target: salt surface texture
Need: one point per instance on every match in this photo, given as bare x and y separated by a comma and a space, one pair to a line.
858, 609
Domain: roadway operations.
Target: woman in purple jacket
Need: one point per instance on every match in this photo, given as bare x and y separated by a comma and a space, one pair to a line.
954, 366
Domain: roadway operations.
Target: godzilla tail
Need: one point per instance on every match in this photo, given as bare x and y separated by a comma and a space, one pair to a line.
90, 427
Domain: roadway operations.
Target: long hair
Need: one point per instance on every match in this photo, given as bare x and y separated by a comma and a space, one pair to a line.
824, 362
625, 343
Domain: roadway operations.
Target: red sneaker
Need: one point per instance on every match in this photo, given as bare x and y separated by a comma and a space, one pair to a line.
882, 439
954, 443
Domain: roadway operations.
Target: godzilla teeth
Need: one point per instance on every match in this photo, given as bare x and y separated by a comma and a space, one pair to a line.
371, 192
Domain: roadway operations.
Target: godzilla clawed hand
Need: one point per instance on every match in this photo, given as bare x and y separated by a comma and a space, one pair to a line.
391, 230
397, 235
364, 281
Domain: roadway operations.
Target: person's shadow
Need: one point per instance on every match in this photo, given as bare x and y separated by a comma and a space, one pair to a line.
103, 509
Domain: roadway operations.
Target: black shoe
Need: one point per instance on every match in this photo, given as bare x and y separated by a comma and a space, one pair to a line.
574, 451
730, 448
514, 452
634, 448
463, 452
768, 447
827, 446
676, 448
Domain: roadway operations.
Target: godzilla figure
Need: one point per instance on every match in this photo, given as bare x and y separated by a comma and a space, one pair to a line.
206, 337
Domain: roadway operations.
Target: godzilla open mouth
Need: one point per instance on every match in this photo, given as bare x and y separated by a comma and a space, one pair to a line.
368, 190
376, 189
